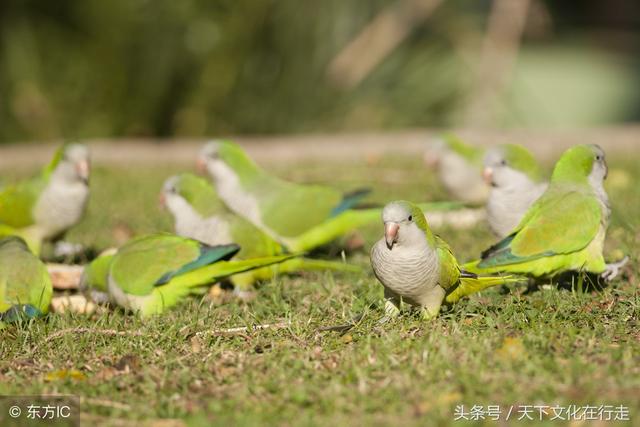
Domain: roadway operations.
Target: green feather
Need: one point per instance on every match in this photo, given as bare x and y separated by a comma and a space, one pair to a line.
469, 152
95, 274
208, 255
521, 159
200, 194
25, 285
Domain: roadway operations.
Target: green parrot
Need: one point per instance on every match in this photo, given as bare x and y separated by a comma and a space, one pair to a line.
45, 206
564, 230
25, 285
300, 217
516, 181
199, 214
417, 267
459, 167
152, 273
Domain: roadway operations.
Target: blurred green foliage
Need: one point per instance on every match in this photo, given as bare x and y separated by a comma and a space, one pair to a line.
95, 68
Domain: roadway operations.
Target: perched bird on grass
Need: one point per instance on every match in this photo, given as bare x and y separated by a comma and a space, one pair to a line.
25, 285
564, 230
47, 205
300, 217
199, 214
417, 267
152, 273
516, 181
459, 167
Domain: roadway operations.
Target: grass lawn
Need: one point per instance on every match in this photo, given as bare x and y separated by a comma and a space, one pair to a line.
503, 347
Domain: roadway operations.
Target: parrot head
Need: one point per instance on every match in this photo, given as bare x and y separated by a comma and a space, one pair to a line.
180, 190
404, 224
94, 275
71, 164
584, 163
225, 160
470, 153
170, 191
507, 163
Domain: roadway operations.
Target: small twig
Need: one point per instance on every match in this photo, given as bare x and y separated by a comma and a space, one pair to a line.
344, 328
241, 329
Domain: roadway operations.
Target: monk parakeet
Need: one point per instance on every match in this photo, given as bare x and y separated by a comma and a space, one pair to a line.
199, 214
25, 285
50, 203
152, 273
417, 267
300, 217
459, 166
516, 181
564, 229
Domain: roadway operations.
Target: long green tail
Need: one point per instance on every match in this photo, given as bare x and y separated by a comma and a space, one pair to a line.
471, 285
192, 282
245, 281
348, 221
222, 269
309, 264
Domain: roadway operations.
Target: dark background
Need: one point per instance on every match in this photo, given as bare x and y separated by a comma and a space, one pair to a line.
194, 68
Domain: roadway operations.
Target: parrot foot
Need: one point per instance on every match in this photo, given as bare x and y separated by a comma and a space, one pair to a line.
613, 269
425, 314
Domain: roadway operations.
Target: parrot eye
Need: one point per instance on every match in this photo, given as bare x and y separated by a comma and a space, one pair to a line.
410, 217
598, 157
503, 162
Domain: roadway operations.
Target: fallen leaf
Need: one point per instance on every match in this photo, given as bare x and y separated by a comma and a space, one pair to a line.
65, 374
511, 349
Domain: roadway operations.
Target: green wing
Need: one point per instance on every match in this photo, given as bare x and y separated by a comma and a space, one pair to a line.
253, 241
150, 261
17, 202
24, 280
560, 222
291, 209
449, 270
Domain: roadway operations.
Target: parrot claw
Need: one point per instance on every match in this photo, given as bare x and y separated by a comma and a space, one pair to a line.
613, 269
425, 314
